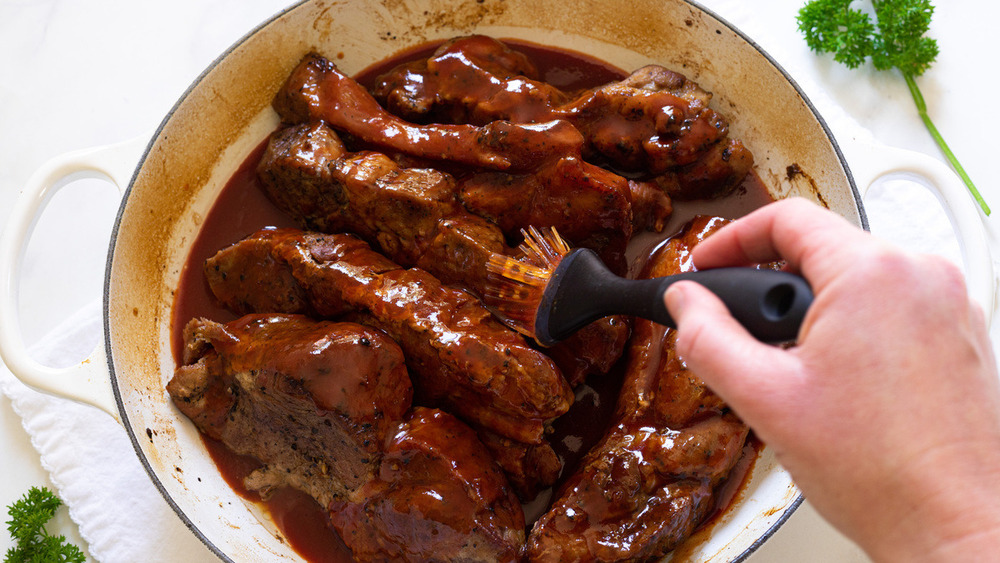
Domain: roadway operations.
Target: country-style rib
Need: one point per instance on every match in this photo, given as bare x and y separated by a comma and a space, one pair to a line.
437, 496
317, 90
459, 356
651, 480
655, 121
412, 216
315, 415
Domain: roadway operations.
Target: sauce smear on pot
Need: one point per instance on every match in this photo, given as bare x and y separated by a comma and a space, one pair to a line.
242, 208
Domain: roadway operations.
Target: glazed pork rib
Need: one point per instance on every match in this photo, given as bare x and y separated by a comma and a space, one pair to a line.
437, 496
652, 479
591, 207
474, 79
325, 408
413, 216
459, 356
309, 174
410, 214
514, 153
316, 414
317, 90
639, 495
655, 121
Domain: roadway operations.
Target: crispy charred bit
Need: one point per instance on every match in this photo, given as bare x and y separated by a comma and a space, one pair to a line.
592, 350
720, 168
437, 496
529, 467
459, 356
313, 401
652, 479
651, 206
653, 122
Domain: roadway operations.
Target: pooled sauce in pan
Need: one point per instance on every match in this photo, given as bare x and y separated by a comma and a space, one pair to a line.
564, 69
242, 208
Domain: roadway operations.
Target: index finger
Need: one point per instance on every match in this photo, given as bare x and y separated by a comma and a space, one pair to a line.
810, 239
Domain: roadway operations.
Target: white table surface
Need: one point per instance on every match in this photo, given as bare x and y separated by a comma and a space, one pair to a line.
81, 74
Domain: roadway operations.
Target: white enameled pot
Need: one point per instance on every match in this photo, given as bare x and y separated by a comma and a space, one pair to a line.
226, 113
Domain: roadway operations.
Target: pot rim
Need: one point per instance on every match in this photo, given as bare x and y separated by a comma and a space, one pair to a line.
106, 299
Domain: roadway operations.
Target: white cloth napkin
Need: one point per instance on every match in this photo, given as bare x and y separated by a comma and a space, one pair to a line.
120, 514
123, 517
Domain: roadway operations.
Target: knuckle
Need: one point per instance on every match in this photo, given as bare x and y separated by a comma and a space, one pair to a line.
887, 264
921, 278
943, 279
949, 273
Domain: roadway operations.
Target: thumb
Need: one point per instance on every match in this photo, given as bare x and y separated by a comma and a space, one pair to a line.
743, 371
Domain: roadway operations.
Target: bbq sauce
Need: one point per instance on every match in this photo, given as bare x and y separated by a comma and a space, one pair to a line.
243, 208
300, 518
567, 70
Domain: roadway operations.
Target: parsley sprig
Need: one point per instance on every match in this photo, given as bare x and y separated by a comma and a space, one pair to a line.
896, 40
27, 527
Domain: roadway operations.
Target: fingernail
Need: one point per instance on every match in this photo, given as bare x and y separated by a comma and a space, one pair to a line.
675, 298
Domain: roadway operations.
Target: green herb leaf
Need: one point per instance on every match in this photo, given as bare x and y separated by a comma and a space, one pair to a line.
901, 42
27, 527
896, 41
833, 27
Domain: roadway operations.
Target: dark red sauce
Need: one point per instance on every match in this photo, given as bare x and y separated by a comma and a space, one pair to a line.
242, 208
299, 517
562, 68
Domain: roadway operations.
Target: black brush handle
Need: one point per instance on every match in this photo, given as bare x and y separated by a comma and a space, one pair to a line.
770, 304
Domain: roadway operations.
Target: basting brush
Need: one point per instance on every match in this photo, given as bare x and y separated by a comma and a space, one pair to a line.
554, 291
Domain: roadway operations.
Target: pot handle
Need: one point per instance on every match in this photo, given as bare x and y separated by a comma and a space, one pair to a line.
872, 161
88, 381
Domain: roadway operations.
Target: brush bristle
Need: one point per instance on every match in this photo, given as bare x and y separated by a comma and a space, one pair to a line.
514, 287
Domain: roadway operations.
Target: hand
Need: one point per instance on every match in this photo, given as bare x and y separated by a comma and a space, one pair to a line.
887, 411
